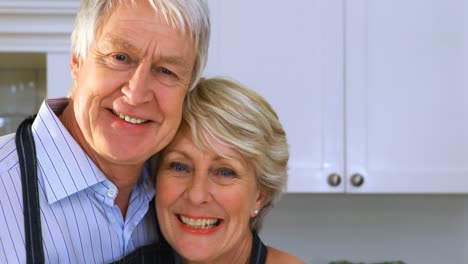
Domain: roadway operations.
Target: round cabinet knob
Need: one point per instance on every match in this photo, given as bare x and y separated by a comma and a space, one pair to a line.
334, 179
357, 180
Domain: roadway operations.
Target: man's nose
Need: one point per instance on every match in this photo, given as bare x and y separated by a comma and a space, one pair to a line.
139, 88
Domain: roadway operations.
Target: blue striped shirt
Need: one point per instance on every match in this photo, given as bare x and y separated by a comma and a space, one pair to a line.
80, 222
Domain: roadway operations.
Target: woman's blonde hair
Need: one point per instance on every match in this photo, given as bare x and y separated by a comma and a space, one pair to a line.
225, 111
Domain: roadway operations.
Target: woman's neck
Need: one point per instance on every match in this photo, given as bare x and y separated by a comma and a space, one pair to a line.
239, 254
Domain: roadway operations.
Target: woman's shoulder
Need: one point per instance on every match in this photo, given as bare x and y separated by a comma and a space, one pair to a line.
277, 256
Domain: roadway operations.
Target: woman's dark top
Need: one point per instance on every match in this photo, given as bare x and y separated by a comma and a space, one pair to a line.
164, 254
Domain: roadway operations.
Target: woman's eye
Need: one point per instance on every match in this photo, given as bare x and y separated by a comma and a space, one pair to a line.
224, 172
178, 167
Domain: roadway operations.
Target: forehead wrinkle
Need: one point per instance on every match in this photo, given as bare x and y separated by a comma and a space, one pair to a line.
119, 43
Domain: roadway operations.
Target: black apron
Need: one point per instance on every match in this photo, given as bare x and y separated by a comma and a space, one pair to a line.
160, 252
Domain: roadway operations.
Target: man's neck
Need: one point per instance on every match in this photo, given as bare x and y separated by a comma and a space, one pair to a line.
123, 176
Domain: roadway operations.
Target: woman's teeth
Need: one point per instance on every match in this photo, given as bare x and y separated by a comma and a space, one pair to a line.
199, 223
130, 119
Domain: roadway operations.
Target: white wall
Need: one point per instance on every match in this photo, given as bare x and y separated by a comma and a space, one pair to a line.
371, 228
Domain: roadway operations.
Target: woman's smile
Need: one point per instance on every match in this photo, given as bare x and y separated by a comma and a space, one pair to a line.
199, 225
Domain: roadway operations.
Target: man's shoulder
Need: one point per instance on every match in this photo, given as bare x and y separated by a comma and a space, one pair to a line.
8, 155
6, 138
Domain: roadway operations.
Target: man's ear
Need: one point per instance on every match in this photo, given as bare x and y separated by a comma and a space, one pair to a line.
75, 64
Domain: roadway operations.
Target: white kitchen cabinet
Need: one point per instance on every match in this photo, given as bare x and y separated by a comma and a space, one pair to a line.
40, 27
375, 88
407, 95
370, 87
292, 54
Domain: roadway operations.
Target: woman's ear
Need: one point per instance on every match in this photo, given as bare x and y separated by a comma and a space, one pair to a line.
261, 200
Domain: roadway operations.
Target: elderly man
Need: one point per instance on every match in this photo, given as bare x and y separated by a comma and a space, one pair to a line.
75, 188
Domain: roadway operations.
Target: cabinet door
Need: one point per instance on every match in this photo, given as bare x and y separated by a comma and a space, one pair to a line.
41, 27
407, 95
292, 54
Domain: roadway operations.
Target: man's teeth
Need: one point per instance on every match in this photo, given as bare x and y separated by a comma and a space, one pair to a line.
199, 223
130, 119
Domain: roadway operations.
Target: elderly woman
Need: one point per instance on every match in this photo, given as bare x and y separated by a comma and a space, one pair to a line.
221, 175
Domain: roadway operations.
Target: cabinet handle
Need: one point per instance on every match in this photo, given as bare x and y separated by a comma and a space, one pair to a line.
357, 180
334, 179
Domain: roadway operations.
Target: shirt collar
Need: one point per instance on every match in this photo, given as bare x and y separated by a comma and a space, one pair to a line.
66, 169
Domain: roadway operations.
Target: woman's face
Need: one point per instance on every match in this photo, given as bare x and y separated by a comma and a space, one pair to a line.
204, 202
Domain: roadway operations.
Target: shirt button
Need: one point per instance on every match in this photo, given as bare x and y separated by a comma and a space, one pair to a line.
112, 193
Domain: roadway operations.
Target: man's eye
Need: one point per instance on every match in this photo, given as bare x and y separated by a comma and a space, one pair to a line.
165, 76
166, 71
120, 57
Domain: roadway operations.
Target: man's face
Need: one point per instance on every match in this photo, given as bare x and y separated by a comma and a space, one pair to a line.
131, 86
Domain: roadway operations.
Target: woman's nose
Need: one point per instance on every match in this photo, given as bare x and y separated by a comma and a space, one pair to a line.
198, 191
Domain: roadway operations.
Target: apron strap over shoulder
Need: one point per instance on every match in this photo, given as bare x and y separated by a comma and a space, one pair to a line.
32, 214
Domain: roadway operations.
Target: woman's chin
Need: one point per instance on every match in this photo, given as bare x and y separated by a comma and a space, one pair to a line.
198, 255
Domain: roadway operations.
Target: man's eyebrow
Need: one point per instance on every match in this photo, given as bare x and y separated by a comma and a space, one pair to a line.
119, 43
175, 60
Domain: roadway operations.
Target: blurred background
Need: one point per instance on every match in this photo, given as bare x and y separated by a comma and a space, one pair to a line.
372, 93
